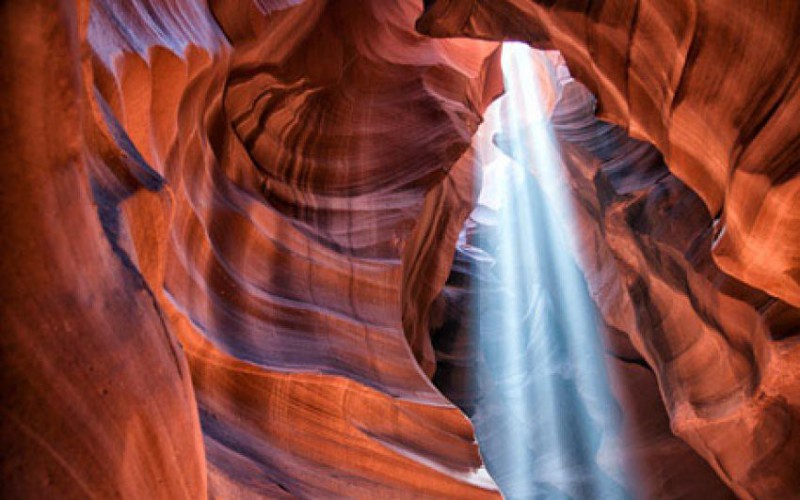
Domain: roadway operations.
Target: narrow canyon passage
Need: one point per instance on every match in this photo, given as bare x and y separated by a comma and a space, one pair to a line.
537, 326
458, 249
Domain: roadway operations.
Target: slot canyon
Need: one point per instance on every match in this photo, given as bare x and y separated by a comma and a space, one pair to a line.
373, 249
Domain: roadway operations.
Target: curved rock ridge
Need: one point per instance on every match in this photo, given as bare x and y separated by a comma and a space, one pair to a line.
275, 186
606, 169
96, 396
714, 84
227, 225
724, 353
718, 352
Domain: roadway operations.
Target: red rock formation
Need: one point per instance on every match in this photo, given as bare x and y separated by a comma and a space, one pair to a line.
723, 362
723, 352
713, 84
277, 187
715, 87
226, 224
96, 394
609, 174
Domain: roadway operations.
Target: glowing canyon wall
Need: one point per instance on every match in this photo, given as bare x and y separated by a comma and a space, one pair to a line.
704, 286
227, 228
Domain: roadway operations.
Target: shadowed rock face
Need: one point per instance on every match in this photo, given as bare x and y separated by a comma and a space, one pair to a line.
96, 396
226, 225
721, 341
722, 351
276, 187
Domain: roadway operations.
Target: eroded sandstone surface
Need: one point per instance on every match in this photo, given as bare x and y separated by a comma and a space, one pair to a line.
227, 228
713, 84
220, 219
696, 266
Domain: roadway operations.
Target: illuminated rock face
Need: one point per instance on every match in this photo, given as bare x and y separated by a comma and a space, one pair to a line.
716, 93
225, 227
276, 189
724, 364
706, 285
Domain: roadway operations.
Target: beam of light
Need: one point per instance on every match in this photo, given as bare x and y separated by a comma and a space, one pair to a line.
548, 422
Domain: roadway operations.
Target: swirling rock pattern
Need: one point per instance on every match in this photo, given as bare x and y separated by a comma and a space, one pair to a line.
724, 353
713, 84
715, 93
278, 187
226, 225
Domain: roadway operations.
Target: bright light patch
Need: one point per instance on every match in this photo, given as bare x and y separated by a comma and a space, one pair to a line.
548, 421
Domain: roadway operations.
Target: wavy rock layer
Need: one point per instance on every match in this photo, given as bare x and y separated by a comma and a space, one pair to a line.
96, 394
227, 224
724, 354
715, 85
276, 185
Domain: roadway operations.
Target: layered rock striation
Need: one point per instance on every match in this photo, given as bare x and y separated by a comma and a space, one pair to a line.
723, 353
236, 216
704, 285
712, 84
227, 225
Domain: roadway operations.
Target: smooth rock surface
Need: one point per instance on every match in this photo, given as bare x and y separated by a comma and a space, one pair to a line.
227, 226
276, 187
714, 84
724, 353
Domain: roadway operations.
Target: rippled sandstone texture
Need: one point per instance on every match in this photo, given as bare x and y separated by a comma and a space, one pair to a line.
609, 173
245, 209
714, 84
705, 287
225, 225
